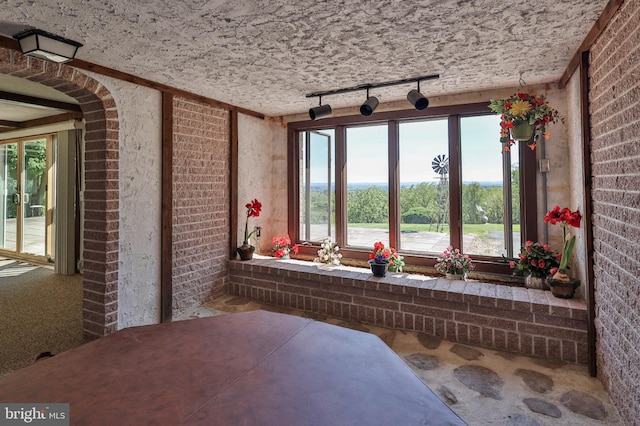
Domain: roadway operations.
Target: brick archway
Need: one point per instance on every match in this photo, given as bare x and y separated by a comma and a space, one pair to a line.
100, 175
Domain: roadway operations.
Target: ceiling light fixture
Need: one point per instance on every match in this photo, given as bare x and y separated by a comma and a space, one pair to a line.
369, 105
417, 99
47, 46
320, 111
414, 96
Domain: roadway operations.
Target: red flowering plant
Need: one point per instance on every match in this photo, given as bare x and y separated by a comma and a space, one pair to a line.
567, 218
282, 246
520, 108
537, 260
253, 210
386, 255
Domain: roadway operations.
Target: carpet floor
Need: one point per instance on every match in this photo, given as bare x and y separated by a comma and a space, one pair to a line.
39, 312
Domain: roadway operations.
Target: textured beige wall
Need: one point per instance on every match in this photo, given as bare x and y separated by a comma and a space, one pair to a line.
262, 174
140, 201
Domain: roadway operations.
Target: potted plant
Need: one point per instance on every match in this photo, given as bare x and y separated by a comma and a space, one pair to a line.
561, 284
396, 262
454, 264
524, 117
535, 263
329, 253
379, 259
282, 247
245, 251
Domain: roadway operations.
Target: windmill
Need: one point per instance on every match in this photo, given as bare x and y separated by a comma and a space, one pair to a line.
440, 165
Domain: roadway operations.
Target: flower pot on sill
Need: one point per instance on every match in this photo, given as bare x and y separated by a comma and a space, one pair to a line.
522, 131
562, 285
245, 252
378, 269
537, 283
452, 276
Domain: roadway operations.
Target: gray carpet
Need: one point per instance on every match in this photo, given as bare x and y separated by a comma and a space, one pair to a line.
39, 311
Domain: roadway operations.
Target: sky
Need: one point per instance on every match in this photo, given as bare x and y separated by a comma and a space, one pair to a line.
420, 143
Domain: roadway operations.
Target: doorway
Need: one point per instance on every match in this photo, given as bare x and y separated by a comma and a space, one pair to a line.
27, 198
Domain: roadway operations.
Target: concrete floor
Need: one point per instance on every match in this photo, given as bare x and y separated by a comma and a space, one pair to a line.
483, 386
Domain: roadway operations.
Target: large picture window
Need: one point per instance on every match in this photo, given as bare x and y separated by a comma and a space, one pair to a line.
417, 181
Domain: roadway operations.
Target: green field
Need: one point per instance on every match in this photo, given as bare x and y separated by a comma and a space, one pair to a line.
481, 230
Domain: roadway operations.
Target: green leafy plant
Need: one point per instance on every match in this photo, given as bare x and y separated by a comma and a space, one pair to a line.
382, 254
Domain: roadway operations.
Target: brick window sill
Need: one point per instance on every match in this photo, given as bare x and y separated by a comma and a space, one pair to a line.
513, 319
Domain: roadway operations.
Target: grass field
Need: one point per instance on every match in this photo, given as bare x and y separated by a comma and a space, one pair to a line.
480, 230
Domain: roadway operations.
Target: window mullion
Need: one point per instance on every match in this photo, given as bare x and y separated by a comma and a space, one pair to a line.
455, 183
341, 185
394, 186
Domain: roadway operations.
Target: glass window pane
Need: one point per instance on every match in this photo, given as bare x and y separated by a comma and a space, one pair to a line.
367, 185
9, 197
34, 207
424, 186
483, 216
317, 187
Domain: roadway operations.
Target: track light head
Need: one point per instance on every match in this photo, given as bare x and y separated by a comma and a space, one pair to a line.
417, 99
320, 112
369, 105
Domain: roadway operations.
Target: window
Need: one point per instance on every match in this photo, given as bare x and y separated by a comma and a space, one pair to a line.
416, 180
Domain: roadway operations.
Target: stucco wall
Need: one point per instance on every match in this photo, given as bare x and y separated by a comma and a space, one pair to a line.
139, 114
262, 174
614, 95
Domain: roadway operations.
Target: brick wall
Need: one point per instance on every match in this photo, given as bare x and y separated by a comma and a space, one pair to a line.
101, 196
200, 202
512, 319
615, 155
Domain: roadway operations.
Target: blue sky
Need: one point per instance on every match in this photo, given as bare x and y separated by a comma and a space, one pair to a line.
420, 142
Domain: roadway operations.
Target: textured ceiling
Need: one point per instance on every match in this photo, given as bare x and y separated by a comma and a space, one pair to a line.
266, 55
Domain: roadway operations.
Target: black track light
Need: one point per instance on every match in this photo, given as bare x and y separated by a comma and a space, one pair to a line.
369, 105
417, 99
320, 111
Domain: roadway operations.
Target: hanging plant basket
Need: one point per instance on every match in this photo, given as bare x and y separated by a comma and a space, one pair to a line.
522, 131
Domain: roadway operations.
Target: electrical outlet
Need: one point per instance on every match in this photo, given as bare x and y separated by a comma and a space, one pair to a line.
258, 230
544, 165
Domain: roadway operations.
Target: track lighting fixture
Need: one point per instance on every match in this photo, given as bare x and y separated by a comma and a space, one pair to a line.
47, 46
320, 111
417, 99
369, 105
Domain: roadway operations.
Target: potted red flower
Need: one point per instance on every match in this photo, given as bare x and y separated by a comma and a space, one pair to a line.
245, 251
561, 284
282, 247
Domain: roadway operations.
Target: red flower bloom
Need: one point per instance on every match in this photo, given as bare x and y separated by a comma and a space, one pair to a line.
253, 208
541, 263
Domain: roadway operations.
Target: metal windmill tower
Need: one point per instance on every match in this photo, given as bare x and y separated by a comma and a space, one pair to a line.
440, 165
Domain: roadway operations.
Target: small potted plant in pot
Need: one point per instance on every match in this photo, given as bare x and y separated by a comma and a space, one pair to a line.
454, 264
245, 251
329, 254
282, 247
379, 259
536, 261
524, 117
562, 285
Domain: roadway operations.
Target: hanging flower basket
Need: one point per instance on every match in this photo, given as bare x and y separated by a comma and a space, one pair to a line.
522, 131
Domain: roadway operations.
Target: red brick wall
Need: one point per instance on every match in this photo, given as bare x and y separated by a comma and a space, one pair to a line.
615, 155
201, 202
512, 319
101, 197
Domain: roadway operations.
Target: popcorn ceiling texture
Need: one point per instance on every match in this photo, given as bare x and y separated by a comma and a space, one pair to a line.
266, 55
615, 123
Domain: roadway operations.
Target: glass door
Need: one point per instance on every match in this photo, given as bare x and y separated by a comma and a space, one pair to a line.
27, 195
9, 196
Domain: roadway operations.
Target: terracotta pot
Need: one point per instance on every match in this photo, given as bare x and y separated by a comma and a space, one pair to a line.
378, 269
245, 252
522, 131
